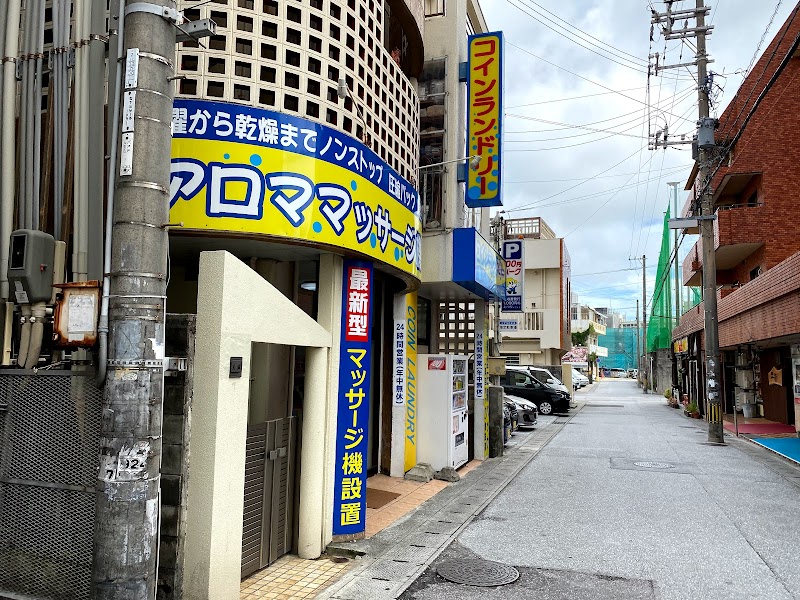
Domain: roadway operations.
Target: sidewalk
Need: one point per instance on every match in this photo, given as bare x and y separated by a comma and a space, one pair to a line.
390, 561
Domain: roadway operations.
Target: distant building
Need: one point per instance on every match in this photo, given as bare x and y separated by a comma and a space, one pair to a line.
540, 334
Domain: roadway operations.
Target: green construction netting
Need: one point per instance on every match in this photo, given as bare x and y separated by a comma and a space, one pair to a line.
621, 344
662, 319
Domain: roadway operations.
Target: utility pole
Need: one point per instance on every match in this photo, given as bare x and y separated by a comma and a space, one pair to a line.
705, 144
644, 324
128, 502
638, 344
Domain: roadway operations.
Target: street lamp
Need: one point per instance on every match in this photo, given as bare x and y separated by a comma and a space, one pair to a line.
343, 91
474, 162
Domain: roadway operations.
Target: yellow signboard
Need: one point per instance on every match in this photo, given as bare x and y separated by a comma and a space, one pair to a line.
681, 346
251, 171
484, 121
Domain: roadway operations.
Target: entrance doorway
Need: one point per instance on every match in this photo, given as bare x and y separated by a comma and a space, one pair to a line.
270, 460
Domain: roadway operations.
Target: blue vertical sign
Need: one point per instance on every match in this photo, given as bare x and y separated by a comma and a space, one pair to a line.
352, 425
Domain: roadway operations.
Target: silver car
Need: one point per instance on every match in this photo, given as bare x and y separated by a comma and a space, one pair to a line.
527, 415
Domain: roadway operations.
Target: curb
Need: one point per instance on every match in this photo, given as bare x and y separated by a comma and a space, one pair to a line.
390, 578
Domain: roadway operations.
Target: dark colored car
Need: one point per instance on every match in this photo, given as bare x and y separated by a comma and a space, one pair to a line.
547, 400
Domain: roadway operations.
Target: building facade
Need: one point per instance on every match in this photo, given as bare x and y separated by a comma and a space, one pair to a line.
756, 247
541, 333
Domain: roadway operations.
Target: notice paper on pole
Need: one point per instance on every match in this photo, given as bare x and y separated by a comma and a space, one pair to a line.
514, 255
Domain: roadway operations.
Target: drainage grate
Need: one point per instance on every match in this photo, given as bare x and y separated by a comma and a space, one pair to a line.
646, 464
482, 573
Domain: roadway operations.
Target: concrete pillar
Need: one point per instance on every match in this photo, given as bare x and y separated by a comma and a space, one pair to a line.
312, 461
495, 421
398, 445
329, 316
479, 411
215, 500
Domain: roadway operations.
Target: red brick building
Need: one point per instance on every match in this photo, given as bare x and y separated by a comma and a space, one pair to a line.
756, 191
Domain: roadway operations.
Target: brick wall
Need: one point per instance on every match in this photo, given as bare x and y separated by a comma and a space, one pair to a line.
180, 338
767, 307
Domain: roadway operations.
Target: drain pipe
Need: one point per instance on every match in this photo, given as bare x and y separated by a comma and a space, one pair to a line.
78, 271
38, 311
25, 335
37, 116
7, 140
102, 327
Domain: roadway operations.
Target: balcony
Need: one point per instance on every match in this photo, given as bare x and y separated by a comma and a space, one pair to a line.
542, 327
600, 351
534, 228
583, 325
735, 239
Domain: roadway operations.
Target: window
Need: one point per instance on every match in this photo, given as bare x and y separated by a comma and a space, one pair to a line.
755, 273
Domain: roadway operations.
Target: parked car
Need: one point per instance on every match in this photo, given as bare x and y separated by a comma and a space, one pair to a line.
546, 377
512, 412
526, 411
519, 382
618, 373
633, 373
579, 380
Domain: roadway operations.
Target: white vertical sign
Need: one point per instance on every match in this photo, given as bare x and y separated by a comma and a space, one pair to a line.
132, 68
126, 154
399, 369
480, 369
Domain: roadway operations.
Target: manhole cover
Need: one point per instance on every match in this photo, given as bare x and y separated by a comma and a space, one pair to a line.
483, 573
645, 464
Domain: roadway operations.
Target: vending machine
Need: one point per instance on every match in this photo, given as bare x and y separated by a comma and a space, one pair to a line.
442, 420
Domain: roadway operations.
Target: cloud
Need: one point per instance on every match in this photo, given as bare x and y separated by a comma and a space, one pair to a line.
605, 231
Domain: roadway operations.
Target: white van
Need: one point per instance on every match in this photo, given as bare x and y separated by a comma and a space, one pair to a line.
547, 378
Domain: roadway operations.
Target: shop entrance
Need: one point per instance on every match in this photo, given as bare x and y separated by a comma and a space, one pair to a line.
776, 385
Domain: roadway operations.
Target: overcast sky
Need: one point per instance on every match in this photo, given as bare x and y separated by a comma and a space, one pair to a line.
600, 187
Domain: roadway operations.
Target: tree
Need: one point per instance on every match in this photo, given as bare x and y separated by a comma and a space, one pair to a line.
592, 359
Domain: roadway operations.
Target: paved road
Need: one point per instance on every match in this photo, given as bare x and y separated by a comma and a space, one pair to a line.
582, 520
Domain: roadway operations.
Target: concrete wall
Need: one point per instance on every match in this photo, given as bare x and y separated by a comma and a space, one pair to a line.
235, 308
542, 254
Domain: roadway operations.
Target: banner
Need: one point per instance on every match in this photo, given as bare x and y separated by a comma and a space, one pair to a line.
514, 255
352, 424
411, 381
484, 119
249, 171
399, 371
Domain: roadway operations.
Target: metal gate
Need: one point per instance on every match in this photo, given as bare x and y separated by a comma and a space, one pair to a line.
49, 441
268, 493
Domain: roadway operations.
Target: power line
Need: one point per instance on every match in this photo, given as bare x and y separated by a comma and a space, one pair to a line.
569, 98
686, 166
634, 66
605, 87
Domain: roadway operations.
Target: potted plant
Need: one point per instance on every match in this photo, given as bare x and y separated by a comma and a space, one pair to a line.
671, 400
692, 410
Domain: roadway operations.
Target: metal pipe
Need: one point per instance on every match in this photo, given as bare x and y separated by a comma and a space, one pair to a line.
37, 334
102, 329
58, 170
29, 110
37, 115
25, 337
78, 156
22, 195
95, 149
8, 140
83, 241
